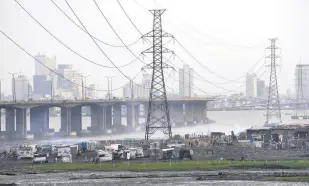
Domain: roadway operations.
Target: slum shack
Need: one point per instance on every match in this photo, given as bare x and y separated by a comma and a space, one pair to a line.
279, 137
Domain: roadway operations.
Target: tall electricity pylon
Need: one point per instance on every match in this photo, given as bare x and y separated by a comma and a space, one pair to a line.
158, 117
273, 115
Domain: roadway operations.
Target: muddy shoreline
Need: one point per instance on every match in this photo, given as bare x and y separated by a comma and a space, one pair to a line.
244, 173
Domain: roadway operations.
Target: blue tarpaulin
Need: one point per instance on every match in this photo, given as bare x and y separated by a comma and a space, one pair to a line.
251, 140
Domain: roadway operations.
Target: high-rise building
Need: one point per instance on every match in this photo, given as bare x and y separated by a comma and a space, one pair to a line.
42, 85
22, 90
132, 90
251, 85
64, 70
49, 62
302, 72
77, 81
126, 91
90, 93
146, 84
138, 91
260, 88
186, 81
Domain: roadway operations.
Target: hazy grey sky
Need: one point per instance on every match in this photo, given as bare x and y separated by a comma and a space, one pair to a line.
227, 36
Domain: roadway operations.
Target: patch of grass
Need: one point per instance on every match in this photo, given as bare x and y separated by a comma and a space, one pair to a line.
167, 166
161, 166
292, 179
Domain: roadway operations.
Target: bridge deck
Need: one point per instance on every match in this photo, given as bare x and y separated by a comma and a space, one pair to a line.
88, 102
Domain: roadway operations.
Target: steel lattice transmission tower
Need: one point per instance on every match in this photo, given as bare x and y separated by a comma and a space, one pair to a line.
158, 117
273, 104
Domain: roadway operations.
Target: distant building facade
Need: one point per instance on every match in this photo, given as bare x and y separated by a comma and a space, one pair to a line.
251, 85
42, 85
146, 84
132, 90
65, 70
261, 93
90, 93
302, 72
77, 84
186, 81
48, 61
22, 88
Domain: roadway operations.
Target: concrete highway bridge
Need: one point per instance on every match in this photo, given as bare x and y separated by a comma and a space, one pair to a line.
263, 106
106, 115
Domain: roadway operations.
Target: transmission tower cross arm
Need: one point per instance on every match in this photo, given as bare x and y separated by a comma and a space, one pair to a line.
272, 47
270, 56
151, 34
150, 66
164, 50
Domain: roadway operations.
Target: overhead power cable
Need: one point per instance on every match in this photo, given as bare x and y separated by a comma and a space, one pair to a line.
239, 87
110, 25
125, 12
99, 45
201, 78
201, 64
129, 18
96, 38
55, 72
223, 42
192, 86
69, 48
228, 80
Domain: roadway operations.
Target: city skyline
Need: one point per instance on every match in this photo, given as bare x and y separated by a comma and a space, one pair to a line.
231, 40
255, 87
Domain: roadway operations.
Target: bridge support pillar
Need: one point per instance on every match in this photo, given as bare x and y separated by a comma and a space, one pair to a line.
9, 122
66, 120
76, 119
116, 117
177, 114
0, 119
143, 112
200, 112
108, 117
132, 117
97, 119
39, 120
21, 121
189, 113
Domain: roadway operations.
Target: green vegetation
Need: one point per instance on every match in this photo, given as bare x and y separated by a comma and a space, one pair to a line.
292, 179
170, 166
